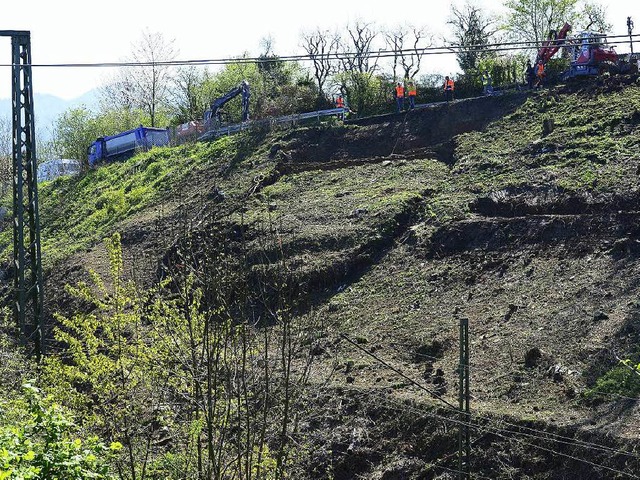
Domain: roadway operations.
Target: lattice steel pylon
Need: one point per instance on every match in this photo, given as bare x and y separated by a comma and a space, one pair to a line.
28, 282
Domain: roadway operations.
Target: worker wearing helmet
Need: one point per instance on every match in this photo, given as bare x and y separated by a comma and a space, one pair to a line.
448, 87
399, 94
412, 92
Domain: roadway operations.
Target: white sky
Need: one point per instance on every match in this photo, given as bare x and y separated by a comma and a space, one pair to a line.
71, 31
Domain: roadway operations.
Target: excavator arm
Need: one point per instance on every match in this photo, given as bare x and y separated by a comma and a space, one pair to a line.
551, 46
218, 103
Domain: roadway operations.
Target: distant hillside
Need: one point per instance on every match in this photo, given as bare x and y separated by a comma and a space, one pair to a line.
49, 107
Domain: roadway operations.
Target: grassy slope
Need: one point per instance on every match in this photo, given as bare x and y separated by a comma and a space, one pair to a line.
530, 237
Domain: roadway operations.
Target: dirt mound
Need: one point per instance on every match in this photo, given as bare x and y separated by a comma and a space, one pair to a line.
590, 86
551, 200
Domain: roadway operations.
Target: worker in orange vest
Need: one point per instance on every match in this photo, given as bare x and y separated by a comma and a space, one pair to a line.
340, 103
399, 94
448, 88
412, 92
540, 74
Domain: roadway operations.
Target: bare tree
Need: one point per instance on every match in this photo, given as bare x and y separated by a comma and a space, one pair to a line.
358, 54
152, 82
359, 63
146, 86
394, 40
472, 30
321, 46
407, 44
119, 92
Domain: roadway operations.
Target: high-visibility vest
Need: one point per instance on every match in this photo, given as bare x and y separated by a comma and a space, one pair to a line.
485, 80
399, 91
412, 90
448, 85
340, 102
540, 69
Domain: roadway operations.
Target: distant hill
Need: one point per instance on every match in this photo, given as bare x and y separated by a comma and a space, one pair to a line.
49, 107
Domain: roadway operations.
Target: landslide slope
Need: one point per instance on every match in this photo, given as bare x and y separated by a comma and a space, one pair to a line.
518, 212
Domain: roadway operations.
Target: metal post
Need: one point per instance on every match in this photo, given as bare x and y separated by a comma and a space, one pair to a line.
467, 400
630, 30
28, 284
464, 444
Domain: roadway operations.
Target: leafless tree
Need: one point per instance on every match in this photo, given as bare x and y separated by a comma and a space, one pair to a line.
321, 46
146, 86
407, 43
394, 40
119, 92
359, 63
358, 56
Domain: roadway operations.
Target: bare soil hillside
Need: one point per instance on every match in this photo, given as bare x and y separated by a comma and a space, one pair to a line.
519, 212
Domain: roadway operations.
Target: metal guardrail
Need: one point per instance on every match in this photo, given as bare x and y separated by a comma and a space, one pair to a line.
293, 119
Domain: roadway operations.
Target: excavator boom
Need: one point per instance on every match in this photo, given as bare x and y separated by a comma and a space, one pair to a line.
218, 103
551, 46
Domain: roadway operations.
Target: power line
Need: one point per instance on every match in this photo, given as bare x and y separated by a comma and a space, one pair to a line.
490, 370
548, 435
399, 372
475, 368
500, 432
340, 56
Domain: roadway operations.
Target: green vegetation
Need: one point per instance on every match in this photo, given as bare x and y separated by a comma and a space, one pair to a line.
38, 442
588, 149
622, 380
222, 363
78, 212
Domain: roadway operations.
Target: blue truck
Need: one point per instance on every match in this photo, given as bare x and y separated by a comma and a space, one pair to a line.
125, 144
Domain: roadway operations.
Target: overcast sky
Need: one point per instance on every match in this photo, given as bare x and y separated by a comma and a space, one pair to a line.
66, 31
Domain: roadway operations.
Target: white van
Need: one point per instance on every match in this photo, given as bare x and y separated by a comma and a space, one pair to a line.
58, 167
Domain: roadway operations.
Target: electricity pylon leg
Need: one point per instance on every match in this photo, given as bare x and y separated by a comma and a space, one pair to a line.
28, 283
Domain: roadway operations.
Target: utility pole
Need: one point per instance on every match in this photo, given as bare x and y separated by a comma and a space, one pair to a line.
464, 440
630, 30
27, 259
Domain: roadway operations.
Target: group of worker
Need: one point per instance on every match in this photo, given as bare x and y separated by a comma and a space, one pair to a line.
535, 79
410, 92
399, 93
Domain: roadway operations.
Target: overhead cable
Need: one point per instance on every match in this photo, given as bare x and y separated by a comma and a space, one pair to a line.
452, 49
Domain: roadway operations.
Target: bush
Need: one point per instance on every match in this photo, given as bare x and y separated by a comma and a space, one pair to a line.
40, 446
622, 380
